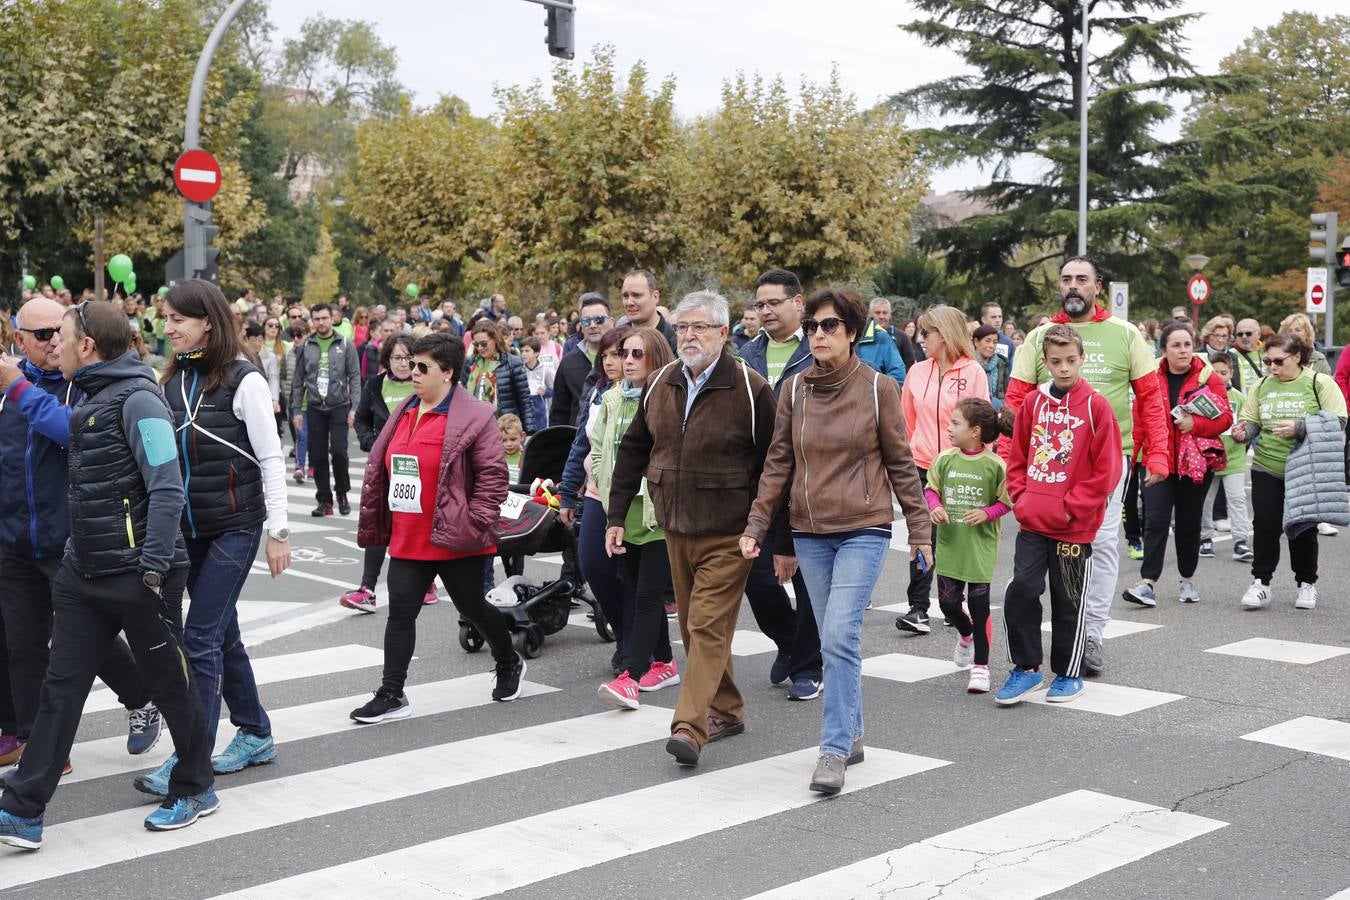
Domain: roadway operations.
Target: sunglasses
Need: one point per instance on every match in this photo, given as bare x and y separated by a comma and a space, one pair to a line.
1275, 360
634, 353
480, 345
44, 334
586, 321
1246, 334
421, 368
829, 326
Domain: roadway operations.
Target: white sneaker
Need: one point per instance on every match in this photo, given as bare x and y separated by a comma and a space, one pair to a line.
964, 654
1223, 525
1187, 593
1327, 530
1257, 596
1307, 596
979, 680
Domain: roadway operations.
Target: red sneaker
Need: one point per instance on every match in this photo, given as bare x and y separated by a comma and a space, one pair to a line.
661, 674
362, 600
430, 597
622, 692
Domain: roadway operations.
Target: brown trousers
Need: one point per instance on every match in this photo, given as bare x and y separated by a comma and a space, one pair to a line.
708, 573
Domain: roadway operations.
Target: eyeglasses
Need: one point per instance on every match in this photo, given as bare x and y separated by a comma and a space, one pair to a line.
829, 326
586, 321
44, 334
1246, 334
400, 358
774, 302
1273, 361
422, 368
633, 353
698, 328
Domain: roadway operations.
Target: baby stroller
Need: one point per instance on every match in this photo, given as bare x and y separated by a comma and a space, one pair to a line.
525, 528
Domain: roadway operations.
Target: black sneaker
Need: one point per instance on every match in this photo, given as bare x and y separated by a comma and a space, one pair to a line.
384, 706
1206, 549
782, 665
1241, 552
509, 677
343, 506
916, 621
323, 509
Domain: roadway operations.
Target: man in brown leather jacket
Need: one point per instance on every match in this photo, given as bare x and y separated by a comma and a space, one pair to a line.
696, 446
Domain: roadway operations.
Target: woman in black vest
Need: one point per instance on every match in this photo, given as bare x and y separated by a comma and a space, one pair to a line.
234, 479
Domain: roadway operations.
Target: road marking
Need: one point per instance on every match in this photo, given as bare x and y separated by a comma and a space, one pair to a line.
1116, 628
271, 669
1309, 734
115, 837
1295, 652
1112, 699
296, 573
906, 668
526, 851
743, 643
308, 527
344, 542
108, 756
1020, 855
326, 614
254, 610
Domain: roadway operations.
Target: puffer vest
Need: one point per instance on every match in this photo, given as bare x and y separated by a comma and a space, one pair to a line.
222, 479
108, 499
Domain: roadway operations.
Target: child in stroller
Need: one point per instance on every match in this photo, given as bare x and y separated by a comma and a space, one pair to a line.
527, 527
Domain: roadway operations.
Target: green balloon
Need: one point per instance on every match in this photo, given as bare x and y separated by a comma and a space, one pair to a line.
130, 283
29, 282
164, 291
412, 290
119, 267
58, 282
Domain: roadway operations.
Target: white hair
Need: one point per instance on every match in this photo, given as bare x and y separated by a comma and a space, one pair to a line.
710, 302
877, 303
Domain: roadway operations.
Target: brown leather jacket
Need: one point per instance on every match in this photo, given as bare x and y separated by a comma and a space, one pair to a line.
702, 472
839, 440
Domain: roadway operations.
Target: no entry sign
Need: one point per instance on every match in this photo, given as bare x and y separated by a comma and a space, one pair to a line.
197, 176
1315, 294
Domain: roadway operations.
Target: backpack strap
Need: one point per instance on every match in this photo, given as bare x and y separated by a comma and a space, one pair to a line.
876, 403
750, 395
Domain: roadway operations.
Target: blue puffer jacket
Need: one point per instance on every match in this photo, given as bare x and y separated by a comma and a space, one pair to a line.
878, 350
34, 434
513, 390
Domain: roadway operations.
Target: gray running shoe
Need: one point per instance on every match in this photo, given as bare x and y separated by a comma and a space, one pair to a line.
829, 775
1094, 658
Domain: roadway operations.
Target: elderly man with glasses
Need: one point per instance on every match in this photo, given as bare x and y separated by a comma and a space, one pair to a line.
1247, 353
696, 447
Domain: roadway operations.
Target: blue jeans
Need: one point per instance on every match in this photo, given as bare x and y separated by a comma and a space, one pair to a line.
302, 446
220, 665
840, 573
602, 572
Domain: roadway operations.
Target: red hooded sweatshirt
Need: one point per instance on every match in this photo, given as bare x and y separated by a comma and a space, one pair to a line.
1065, 461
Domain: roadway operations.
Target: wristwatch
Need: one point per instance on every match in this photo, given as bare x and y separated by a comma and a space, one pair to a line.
152, 580
281, 534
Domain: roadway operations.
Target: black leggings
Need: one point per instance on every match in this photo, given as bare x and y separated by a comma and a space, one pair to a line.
646, 578
1268, 526
1134, 496
1178, 494
370, 574
408, 583
978, 622
921, 581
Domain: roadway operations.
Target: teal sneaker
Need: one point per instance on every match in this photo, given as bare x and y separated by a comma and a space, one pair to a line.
15, 831
156, 783
244, 751
1063, 689
1020, 683
180, 812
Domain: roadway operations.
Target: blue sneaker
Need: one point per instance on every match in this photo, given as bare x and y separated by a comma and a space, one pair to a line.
1063, 689
144, 729
1020, 683
804, 687
180, 812
156, 783
26, 834
244, 751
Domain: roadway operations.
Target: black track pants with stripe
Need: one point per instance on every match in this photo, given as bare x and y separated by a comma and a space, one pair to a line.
1069, 566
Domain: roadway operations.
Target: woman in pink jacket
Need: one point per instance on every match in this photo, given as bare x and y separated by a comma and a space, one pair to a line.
950, 373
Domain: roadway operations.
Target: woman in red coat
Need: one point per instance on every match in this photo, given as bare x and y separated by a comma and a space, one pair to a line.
434, 482
1185, 377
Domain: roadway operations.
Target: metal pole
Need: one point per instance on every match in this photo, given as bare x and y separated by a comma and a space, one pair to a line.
193, 245
98, 257
1083, 135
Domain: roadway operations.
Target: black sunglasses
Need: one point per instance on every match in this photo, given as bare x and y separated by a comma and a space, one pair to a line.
1246, 334
635, 353
43, 334
421, 368
1275, 360
829, 325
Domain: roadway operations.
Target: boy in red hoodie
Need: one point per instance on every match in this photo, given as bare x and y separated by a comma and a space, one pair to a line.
1064, 462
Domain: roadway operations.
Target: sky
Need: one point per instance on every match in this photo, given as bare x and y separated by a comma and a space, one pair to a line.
468, 47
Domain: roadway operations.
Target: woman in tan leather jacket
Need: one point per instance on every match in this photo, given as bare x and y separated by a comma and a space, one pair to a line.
839, 440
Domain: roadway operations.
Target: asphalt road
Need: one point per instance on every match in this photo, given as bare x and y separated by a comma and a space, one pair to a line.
1158, 790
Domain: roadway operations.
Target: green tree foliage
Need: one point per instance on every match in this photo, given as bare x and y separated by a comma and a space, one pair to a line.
816, 186
1020, 103
321, 276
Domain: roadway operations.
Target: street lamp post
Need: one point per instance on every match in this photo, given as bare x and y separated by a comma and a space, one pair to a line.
1083, 135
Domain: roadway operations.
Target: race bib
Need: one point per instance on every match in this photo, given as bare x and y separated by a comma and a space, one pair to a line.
322, 385
513, 506
405, 484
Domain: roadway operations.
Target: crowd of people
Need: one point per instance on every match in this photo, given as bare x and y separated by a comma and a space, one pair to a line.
708, 463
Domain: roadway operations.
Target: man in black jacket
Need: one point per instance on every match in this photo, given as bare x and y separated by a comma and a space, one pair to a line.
577, 366
126, 498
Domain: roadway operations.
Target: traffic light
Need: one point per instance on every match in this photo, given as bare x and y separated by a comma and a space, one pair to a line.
1324, 232
1343, 264
561, 40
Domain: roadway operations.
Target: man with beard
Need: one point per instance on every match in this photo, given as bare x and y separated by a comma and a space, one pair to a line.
1116, 361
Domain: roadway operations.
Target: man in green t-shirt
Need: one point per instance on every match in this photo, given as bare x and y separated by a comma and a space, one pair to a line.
1116, 362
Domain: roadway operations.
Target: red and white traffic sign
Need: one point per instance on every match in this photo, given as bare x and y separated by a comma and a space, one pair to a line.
1198, 289
197, 176
1315, 294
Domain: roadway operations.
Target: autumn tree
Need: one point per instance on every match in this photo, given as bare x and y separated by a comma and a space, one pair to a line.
321, 277
814, 184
